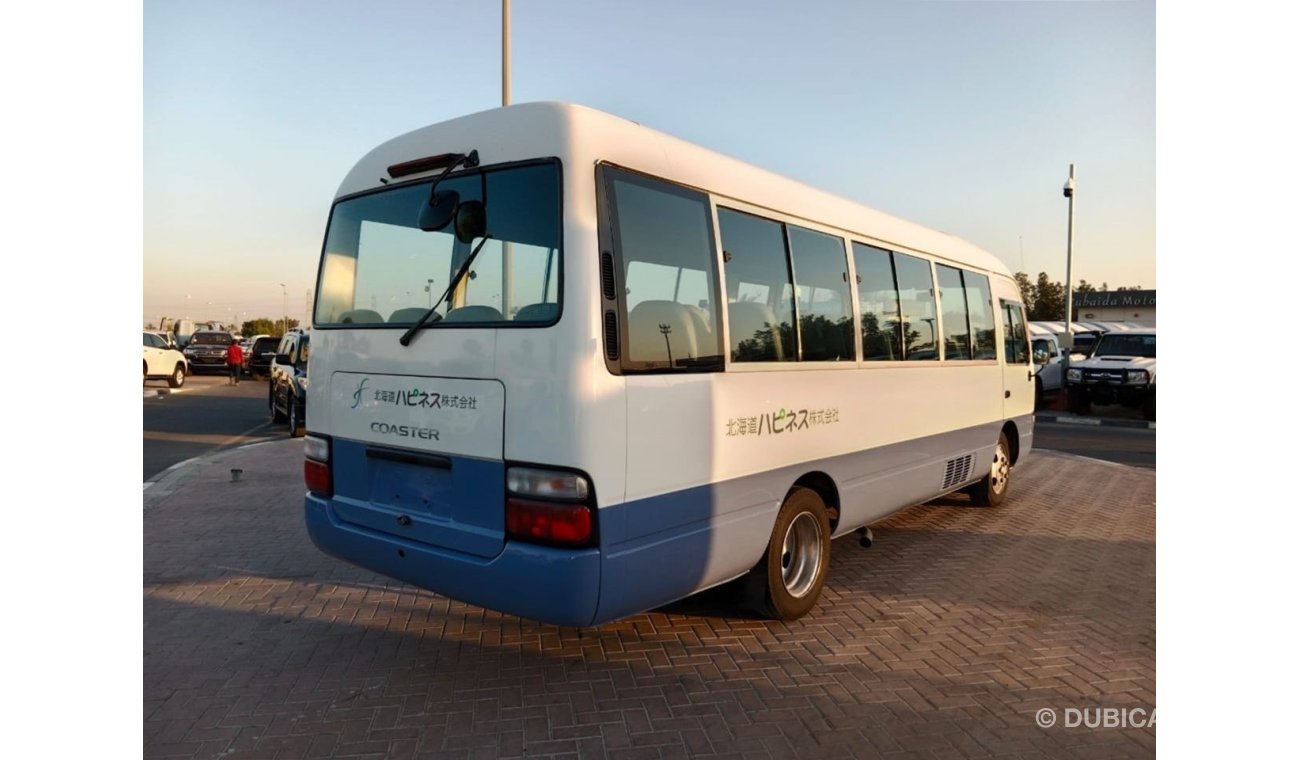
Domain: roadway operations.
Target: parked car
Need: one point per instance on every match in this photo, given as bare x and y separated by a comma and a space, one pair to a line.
1083, 335
167, 338
1121, 370
259, 355
161, 360
287, 395
207, 349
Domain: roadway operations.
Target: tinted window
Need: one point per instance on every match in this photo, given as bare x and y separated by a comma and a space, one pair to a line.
916, 300
979, 304
760, 304
663, 236
380, 268
822, 284
1016, 342
210, 339
153, 341
265, 345
1121, 344
877, 303
956, 330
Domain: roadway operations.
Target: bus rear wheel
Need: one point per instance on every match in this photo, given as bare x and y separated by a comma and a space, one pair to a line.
788, 580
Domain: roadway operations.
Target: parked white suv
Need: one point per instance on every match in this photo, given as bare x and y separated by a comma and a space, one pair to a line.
163, 361
1121, 370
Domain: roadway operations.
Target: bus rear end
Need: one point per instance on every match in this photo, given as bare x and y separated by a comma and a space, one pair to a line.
437, 339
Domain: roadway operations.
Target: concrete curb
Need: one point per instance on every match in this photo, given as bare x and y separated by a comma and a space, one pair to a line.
166, 482
1070, 419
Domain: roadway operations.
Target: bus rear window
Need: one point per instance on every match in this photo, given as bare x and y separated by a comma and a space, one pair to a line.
381, 270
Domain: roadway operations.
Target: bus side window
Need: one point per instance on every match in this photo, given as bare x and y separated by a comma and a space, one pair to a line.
877, 303
822, 282
979, 299
956, 324
761, 316
916, 301
663, 237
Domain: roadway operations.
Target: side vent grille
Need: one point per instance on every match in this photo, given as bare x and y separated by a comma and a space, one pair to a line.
957, 471
607, 275
611, 336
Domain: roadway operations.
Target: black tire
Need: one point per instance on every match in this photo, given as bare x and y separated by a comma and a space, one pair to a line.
297, 421
1079, 402
276, 414
1149, 408
783, 585
990, 491
177, 378
146, 372
1038, 393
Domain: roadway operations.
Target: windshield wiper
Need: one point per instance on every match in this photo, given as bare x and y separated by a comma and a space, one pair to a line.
425, 319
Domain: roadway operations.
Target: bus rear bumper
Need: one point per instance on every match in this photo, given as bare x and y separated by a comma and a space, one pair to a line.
559, 586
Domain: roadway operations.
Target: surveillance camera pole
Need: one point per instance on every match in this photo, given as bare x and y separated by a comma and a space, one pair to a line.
1069, 272
505, 52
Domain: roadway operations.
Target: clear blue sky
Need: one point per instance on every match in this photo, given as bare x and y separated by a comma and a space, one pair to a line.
962, 116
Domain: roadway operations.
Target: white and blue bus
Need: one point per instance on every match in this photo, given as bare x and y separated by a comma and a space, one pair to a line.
571, 368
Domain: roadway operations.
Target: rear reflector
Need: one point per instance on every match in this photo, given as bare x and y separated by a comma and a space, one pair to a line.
546, 484
547, 522
315, 447
317, 476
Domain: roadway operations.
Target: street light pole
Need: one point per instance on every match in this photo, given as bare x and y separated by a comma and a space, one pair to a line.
284, 309
1069, 271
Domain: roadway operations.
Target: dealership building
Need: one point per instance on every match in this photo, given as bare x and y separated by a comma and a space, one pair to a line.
1132, 306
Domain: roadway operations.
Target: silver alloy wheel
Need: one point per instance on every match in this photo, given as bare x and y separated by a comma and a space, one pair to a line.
293, 416
801, 554
178, 376
1001, 469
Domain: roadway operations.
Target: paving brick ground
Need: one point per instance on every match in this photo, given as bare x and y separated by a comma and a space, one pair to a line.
942, 641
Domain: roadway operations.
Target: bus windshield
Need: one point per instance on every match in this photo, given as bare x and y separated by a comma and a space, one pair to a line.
381, 270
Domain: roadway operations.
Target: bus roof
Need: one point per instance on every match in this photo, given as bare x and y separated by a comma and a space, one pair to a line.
582, 136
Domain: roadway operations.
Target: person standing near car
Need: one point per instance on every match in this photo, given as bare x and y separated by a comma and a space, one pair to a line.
234, 361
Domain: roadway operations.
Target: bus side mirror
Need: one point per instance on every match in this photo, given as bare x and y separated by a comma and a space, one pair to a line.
471, 221
439, 211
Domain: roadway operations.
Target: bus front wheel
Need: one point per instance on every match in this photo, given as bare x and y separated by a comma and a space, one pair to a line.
787, 581
990, 491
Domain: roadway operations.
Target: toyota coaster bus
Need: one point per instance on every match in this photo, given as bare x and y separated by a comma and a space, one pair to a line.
571, 368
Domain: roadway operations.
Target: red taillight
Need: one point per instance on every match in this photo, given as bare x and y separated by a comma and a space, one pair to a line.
548, 522
317, 476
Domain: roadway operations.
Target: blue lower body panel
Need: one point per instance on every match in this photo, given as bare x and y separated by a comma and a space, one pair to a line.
654, 550
559, 586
